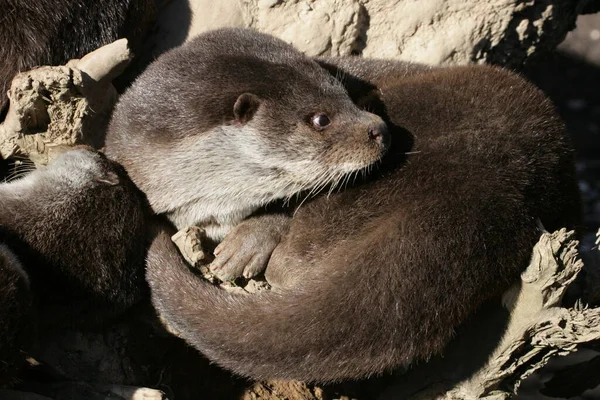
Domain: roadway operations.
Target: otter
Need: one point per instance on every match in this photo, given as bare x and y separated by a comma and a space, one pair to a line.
78, 229
51, 32
230, 122
380, 275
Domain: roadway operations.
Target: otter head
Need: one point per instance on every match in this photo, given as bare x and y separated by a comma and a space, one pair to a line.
234, 120
299, 130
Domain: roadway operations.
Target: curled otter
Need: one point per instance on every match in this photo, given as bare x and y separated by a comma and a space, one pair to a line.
72, 250
380, 275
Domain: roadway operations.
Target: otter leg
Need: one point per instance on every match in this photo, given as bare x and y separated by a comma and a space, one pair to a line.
246, 250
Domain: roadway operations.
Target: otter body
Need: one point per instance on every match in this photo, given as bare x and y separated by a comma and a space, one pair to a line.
380, 275
232, 121
78, 225
72, 247
51, 32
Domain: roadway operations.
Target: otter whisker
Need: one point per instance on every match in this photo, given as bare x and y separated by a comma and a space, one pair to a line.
16, 175
20, 171
326, 179
301, 203
355, 176
345, 182
315, 189
332, 187
339, 183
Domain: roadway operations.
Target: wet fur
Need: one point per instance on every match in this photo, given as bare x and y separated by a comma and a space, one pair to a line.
51, 32
380, 275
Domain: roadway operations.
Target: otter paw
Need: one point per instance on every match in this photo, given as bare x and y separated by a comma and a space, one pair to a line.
244, 252
236, 258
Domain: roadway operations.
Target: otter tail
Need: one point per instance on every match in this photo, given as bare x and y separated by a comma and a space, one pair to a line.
268, 334
332, 328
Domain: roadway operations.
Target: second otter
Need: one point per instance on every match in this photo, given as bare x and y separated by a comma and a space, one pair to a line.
72, 248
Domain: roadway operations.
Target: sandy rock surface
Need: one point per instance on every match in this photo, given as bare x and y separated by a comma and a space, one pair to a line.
427, 31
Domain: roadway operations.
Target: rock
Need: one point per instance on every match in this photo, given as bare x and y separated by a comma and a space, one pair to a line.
60, 106
505, 32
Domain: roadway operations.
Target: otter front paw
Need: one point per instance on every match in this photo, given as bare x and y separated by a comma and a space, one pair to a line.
242, 254
246, 250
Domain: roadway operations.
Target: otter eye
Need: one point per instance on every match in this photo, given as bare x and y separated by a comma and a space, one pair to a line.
321, 121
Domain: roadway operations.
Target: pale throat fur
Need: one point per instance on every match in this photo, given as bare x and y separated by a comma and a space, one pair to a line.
220, 197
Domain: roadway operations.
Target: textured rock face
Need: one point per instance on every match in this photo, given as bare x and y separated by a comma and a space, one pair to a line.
325, 27
504, 32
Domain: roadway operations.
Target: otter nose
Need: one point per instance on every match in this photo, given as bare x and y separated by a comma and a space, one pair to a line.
378, 132
374, 133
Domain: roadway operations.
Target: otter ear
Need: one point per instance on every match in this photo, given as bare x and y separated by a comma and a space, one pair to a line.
245, 107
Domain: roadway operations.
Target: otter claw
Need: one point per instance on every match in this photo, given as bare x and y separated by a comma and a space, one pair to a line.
110, 178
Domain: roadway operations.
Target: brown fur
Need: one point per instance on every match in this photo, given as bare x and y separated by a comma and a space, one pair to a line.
78, 228
380, 275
